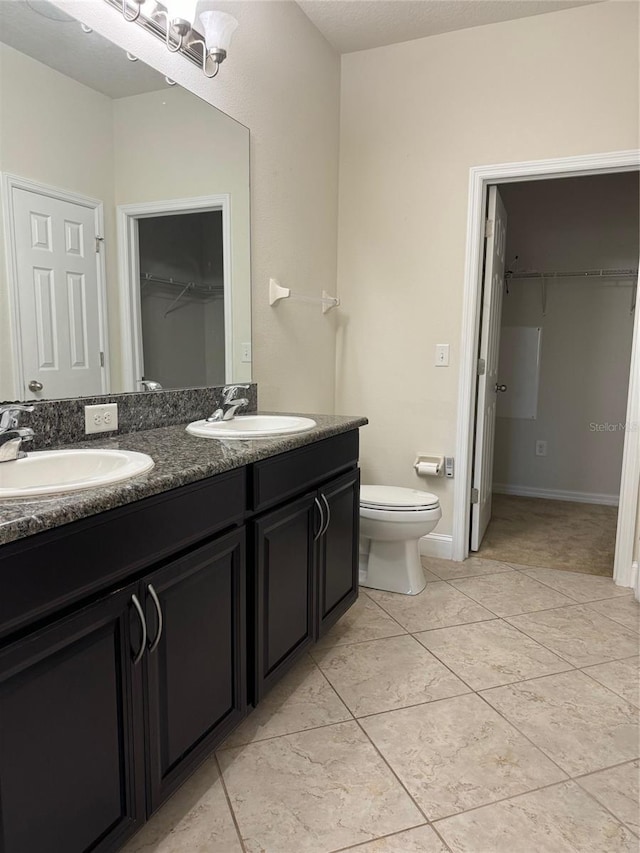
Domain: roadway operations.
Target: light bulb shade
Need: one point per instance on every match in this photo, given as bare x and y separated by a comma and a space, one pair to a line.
185, 10
219, 28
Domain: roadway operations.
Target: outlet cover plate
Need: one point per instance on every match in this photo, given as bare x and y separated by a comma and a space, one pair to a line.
102, 418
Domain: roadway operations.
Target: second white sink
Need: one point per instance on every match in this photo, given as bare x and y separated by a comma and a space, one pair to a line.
51, 472
251, 426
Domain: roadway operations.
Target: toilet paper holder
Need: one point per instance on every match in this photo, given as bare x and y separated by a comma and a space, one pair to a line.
429, 465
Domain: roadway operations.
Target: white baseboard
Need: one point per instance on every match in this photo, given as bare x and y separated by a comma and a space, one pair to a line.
556, 494
437, 545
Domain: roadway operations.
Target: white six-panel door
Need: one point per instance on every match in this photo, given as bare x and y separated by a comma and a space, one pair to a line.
489, 354
58, 295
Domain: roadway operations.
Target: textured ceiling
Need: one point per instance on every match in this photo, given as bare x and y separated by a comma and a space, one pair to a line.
361, 24
49, 35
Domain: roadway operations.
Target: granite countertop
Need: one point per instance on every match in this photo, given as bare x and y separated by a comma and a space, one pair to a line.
179, 459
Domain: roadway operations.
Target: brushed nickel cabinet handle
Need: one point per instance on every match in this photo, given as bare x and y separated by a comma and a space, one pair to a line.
137, 658
321, 527
154, 597
328, 521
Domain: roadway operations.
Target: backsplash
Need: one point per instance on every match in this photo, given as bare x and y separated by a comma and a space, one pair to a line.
57, 422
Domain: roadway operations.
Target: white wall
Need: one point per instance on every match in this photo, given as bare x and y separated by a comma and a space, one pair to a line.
572, 224
414, 118
282, 80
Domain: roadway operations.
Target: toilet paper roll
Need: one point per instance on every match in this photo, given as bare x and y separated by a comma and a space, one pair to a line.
428, 469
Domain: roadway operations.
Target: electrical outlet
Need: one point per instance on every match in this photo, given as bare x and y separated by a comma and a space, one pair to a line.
101, 418
541, 448
245, 352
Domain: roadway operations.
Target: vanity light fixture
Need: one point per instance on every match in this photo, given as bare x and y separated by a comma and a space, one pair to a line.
174, 22
219, 28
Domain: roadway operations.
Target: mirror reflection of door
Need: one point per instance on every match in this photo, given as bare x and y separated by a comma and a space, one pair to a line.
182, 299
55, 255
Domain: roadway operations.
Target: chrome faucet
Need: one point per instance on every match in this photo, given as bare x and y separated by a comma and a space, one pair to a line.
12, 435
230, 403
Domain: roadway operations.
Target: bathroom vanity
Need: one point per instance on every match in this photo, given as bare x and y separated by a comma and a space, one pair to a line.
138, 630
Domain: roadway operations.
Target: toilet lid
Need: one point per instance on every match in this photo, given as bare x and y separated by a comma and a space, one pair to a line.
394, 497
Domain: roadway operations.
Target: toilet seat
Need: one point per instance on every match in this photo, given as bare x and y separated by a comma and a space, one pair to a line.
396, 499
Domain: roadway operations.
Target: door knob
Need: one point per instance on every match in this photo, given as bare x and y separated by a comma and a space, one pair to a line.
500, 387
34, 385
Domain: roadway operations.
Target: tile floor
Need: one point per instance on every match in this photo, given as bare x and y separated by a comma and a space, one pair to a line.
496, 712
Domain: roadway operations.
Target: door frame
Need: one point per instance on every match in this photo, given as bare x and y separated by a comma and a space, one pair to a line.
129, 272
10, 183
479, 179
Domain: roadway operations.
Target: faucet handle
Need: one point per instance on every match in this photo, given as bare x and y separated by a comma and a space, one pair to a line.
10, 415
229, 391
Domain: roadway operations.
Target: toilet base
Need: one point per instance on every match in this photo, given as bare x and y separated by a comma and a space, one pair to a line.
393, 566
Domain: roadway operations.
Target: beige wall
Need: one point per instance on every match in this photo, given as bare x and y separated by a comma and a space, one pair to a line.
572, 224
282, 80
414, 118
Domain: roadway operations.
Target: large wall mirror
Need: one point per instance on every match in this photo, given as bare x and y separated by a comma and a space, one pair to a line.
125, 220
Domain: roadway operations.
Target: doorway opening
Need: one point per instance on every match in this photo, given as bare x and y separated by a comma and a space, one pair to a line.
176, 293
563, 323
481, 179
182, 299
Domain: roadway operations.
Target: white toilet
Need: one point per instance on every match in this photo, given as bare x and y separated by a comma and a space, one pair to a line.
392, 520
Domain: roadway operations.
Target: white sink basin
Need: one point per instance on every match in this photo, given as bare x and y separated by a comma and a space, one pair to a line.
51, 472
251, 426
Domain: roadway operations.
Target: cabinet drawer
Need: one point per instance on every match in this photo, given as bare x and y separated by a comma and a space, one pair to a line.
57, 568
288, 474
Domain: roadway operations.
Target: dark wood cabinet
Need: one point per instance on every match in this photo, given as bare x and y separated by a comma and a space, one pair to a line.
73, 699
284, 589
306, 556
338, 549
71, 733
196, 659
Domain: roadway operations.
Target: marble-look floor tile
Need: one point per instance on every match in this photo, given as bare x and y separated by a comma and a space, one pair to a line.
429, 575
314, 792
621, 676
472, 566
559, 819
457, 754
625, 610
573, 719
304, 699
196, 818
382, 675
420, 840
579, 634
488, 654
510, 594
437, 606
581, 587
364, 621
617, 788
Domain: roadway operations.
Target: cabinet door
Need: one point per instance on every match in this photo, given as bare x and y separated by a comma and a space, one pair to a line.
284, 604
71, 733
196, 661
338, 560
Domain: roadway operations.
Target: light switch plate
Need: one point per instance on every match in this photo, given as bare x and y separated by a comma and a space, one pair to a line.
245, 353
101, 418
442, 355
